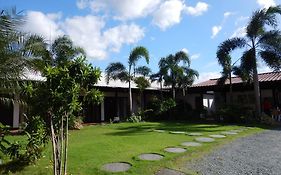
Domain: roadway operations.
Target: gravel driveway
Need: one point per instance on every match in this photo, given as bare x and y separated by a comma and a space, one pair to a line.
259, 154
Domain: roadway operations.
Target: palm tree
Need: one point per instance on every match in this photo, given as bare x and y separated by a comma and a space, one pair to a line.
262, 40
118, 71
142, 83
158, 77
228, 69
176, 69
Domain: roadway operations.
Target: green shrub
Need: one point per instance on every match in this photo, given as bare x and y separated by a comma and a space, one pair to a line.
135, 119
75, 122
234, 114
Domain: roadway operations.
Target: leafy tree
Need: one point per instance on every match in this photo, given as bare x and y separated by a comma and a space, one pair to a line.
118, 71
262, 40
59, 99
177, 71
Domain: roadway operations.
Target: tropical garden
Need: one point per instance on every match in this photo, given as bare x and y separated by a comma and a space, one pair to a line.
44, 144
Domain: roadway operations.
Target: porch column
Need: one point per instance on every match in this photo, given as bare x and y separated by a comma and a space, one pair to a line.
102, 111
16, 112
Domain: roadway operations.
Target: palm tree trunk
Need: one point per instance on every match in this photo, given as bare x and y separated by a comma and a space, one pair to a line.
257, 92
161, 90
174, 92
230, 89
256, 83
130, 94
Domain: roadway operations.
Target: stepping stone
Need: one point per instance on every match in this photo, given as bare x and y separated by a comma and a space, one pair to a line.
191, 144
166, 171
229, 133
235, 130
116, 167
175, 150
158, 130
177, 132
195, 134
217, 136
150, 156
204, 139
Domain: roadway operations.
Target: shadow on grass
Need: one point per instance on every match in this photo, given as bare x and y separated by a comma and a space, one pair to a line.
12, 167
143, 128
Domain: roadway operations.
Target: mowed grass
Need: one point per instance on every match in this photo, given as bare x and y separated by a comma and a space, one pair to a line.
96, 145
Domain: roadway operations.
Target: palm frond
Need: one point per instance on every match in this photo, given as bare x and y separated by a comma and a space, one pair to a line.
116, 71
137, 53
143, 70
182, 56
272, 59
229, 45
271, 40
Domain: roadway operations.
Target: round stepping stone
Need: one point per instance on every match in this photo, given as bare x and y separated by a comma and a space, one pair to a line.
217, 136
204, 139
191, 144
177, 132
175, 150
158, 130
235, 130
150, 156
116, 167
195, 134
166, 171
229, 133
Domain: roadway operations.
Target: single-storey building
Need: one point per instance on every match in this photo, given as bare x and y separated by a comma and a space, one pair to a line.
115, 104
214, 95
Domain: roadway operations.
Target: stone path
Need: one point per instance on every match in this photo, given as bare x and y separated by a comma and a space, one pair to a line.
259, 154
204, 139
175, 150
116, 167
167, 171
192, 144
150, 156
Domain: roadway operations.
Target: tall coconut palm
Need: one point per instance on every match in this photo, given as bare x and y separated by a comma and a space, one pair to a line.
118, 71
262, 40
176, 69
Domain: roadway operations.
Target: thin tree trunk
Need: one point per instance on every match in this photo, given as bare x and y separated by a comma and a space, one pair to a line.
62, 142
257, 92
54, 148
174, 92
230, 89
130, 94
66, 145
161, 90
256, 83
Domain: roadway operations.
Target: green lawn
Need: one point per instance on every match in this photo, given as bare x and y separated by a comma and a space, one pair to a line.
94, 146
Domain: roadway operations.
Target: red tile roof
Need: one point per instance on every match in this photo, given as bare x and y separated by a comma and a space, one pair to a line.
263, 77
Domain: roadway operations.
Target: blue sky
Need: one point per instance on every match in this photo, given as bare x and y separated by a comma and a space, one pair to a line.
109, 29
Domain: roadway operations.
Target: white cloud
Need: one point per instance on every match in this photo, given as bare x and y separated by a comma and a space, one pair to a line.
215, 31
266, 3
123, 34
168, 14
240, 32
195, 56
88, 32
204, 76
227, 14
44, 25
198, 10
125, 9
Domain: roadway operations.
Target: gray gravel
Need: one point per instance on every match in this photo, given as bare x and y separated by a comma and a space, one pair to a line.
259, 154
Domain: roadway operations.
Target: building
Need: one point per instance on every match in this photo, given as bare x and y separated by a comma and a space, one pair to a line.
214, 95
115, 104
